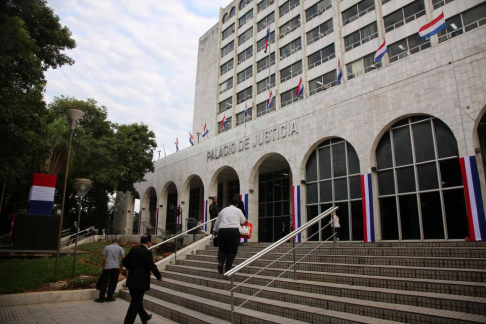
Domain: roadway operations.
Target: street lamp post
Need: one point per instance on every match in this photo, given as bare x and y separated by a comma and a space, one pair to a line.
82, 187
74, 115
198, 133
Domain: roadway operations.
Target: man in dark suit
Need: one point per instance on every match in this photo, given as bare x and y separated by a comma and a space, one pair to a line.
139, 263
72, 233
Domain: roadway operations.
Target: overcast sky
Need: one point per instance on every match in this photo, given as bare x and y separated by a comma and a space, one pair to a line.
136, 57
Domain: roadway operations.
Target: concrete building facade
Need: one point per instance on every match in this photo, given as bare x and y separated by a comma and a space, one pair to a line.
399, 145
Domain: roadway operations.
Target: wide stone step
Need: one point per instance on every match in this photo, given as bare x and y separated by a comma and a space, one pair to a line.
284, 302
452, 274
423, 299
220, 310
261, 310
426, 244
174, 312
407, 261
472, 289
445, 252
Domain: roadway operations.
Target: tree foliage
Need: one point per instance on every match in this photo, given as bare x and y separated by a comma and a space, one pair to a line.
31, 41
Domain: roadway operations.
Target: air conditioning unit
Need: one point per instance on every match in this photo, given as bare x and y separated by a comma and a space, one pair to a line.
271, 1
325, 87
320, 11
282, 35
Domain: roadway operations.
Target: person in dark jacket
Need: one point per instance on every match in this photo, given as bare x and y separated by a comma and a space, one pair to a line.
72, 233
213, 210
139, 263
241, 205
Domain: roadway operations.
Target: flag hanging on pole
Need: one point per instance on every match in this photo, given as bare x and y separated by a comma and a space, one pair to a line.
177, 145
300, 88
270, 101
246, 111
339, 73
205, 131
267, 37
223, 123
191, 139
433, 27
382, 50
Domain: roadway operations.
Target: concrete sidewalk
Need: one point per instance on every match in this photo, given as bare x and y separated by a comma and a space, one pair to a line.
72, 312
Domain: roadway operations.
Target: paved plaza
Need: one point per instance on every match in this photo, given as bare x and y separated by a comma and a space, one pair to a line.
73, 312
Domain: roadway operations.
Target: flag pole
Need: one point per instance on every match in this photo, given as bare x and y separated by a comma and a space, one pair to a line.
164, 149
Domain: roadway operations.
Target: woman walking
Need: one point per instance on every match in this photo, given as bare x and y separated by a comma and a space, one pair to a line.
227, 228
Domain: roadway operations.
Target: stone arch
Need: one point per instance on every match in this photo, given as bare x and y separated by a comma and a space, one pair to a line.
166, 206
331, 169
227, 177
419, 191
232, 12
225, 17
267, 212
192, 197
148, 210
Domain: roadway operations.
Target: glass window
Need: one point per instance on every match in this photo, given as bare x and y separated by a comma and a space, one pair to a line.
262, 108
287, 6
322, 83
245, 36
321, 56
245, 18
289, 97
414, 10
262, 24
261, 42
228, 31
246, 54
425, 181
225, 104
332, 173
225, 18
227, 66
358, 10
228, 48
244, 95
232, 12
265, 84
245, 74
229, 121
319, 32
226, 85
244, 3
290, 25
263, 5
263, 63
240, 117
317, 9
291, 71
290, 48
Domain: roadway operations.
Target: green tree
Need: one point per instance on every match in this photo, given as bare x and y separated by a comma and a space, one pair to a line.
31, 41
113, 156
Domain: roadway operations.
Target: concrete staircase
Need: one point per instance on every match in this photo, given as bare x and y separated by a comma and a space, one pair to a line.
341, 283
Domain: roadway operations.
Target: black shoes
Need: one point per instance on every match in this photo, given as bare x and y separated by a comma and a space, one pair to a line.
149, 317
99, 300
110, 300
220, 268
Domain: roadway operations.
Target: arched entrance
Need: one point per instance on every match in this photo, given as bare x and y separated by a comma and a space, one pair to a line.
172, 222
332, 176
196, 198
149, 212
274, 203
420, 187
228, 185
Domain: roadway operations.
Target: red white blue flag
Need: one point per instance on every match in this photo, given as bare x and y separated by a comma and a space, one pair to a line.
368, 221
205, 130
474, 200
191, 139
339, 73
270, 101
267, 37
382, 50
300, 88
246, 111
433, 27
223, 123
177, 145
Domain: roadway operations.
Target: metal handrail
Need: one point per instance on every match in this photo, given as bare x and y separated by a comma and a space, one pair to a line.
270, 248
180, 235
279, 242
79, 233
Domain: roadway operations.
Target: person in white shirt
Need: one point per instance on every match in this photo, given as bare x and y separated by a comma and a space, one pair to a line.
227, 228
336, 226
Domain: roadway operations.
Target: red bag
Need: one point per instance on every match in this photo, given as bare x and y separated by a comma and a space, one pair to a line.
248, 230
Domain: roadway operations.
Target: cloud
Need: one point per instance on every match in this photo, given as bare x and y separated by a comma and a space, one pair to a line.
136, 57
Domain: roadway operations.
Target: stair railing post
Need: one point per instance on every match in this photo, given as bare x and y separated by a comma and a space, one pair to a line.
175, 252
293, 253
333, 228
232, 302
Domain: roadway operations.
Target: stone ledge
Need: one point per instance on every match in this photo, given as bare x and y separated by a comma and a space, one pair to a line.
47, 297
